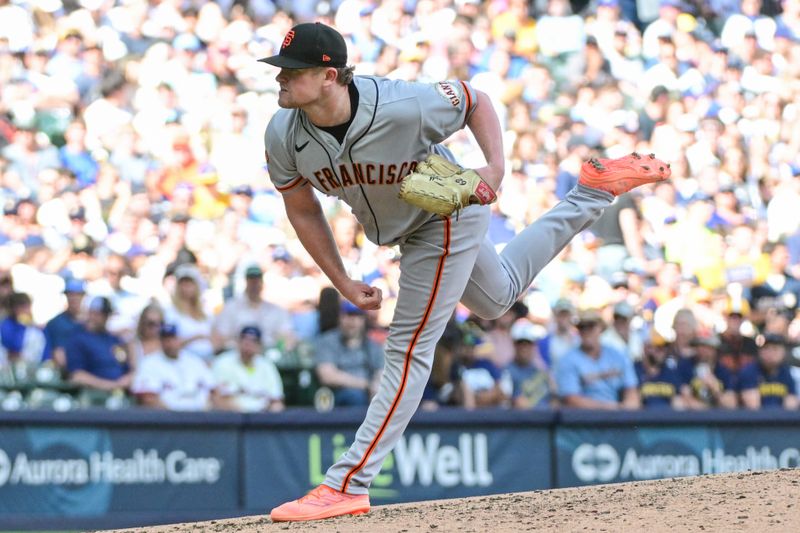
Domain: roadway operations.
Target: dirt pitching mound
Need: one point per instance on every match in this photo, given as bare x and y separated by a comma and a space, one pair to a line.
752, 501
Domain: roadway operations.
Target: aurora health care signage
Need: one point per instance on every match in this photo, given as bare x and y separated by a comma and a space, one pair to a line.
606, 455
86, 471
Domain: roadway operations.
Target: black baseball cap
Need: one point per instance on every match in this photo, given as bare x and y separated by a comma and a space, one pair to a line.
308, 45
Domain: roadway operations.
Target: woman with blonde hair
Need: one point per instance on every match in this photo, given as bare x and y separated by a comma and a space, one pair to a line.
187, 313
146, 340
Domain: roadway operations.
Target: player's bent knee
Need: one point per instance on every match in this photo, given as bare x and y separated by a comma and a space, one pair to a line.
490, 312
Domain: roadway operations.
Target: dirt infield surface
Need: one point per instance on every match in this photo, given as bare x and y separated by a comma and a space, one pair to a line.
754, 501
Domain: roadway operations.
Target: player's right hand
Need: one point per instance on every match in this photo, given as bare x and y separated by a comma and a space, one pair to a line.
362, 295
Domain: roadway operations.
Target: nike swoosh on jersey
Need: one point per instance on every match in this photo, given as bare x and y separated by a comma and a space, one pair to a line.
300, 148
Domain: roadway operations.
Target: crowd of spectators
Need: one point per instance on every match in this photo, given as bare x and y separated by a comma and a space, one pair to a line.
144, 250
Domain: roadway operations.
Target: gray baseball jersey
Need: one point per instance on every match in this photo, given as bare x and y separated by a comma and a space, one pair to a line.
378, 152
444, 260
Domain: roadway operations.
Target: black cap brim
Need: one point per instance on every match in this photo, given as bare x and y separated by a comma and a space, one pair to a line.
286, 62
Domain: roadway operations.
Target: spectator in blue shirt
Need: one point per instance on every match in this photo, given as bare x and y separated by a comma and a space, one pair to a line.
75, 157
347, 360
21, 340
768, 383
659, 381
63, 326
562, 337
529, 375
594, 376
96, 358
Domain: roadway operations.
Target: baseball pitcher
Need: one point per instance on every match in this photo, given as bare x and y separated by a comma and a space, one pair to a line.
375, 143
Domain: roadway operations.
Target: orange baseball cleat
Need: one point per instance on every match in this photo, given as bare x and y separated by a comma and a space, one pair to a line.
618, 176
321, 502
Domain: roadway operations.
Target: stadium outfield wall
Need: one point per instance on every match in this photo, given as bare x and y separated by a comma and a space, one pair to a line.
110, 469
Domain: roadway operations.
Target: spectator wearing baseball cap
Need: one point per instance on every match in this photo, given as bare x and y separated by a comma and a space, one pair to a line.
174, 379
96, 358
768, 382
659, 380
621, 334
736, 350
482, 382
562, 337
61, 327
706, 383
251, 308
248, 380
530, 377
347, 360
780, 290
594, 376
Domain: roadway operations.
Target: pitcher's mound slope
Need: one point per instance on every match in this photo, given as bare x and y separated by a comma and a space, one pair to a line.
752, 501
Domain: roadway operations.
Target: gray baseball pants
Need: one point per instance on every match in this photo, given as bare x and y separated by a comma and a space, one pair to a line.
443, 262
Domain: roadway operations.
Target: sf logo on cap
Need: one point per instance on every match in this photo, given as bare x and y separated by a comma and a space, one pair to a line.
288, 39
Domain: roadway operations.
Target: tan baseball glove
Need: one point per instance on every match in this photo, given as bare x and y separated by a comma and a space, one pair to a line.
442, 187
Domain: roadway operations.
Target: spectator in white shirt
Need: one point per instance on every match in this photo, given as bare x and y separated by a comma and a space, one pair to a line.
663, 26
250, 308
175, 379
749, 21
248, 381
187, 312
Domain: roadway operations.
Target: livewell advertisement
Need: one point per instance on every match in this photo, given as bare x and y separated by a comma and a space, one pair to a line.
425, 464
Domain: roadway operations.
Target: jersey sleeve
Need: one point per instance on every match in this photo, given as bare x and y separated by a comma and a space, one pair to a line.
281, 163
445, 107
